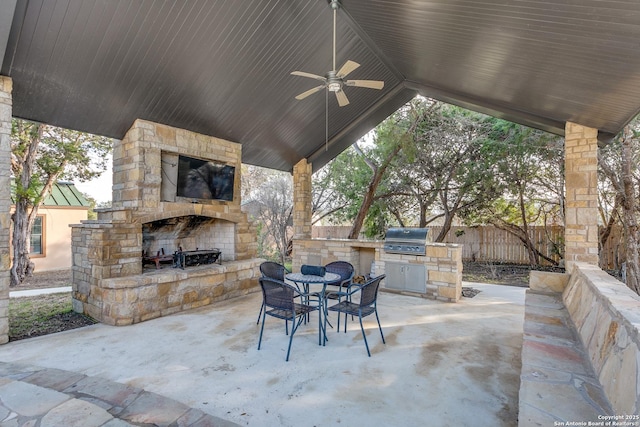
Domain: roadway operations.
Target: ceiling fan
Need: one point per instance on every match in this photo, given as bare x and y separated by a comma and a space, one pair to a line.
334, 80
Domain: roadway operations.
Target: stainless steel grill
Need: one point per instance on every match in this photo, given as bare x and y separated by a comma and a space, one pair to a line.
410, 241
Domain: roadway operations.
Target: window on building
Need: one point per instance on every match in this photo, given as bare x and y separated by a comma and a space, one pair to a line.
37, 246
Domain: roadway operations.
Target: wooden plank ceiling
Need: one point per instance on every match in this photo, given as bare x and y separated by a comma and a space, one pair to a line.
222, 68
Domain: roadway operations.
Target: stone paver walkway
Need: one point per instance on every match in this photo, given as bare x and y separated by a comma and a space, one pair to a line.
46, 397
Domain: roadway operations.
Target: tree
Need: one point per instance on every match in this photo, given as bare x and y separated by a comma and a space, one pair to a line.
528, 164
359, 175
40, 155
270, 203
447, 172
619, 162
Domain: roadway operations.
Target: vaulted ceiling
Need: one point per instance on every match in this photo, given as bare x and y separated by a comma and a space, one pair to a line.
223, 67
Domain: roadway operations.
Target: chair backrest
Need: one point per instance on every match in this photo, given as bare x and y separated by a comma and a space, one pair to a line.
273, 270
369, 291
277, 294
343, 268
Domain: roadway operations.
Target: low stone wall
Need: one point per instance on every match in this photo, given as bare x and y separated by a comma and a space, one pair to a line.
133, 299
606, 314
443, 262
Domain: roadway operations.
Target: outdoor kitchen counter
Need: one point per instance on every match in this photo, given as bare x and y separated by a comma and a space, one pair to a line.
441, 265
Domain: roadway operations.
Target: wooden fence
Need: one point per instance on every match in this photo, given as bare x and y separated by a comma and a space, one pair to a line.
489, 244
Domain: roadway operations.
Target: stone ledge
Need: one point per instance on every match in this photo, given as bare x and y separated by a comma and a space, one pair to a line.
606, 315
557, 382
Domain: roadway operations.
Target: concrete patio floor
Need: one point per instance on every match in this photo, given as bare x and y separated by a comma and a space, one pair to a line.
444, 364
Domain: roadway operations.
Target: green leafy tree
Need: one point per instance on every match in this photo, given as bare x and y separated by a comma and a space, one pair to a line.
445, 171
528, 166
40, 155
360, 174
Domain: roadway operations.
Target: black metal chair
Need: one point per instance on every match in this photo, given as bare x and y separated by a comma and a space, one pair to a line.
367, 305
279, 301
272, 270
346, 271
342, 268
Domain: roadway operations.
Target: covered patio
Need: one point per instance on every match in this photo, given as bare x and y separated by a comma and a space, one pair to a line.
220, 73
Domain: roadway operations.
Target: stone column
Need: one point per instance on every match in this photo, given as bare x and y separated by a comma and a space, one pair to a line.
302, 200
581, 183
5, 203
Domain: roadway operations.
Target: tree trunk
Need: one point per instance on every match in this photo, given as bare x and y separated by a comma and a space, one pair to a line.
23, 218
369, 197
22, 265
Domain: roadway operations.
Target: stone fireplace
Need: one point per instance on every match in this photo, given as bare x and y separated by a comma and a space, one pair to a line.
111, 280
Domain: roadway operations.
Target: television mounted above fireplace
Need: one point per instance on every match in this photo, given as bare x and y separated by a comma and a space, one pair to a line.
204, 179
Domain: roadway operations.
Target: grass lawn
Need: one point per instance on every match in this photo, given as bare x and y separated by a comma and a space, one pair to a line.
43, 314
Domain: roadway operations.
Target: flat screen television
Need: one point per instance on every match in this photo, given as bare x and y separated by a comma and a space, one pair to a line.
204, 179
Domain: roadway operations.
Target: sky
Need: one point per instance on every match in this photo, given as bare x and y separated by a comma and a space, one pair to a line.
99, 188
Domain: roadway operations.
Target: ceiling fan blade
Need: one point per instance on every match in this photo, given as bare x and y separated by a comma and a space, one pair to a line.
348, 67
303, 95
312, 76
371, 84
342, 98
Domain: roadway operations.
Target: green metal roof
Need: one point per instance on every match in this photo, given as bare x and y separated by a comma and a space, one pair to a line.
62, 194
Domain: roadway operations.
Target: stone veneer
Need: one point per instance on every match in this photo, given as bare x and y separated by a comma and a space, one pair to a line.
606, 315
302, 172
581, 204
5, 203
443, 262
108, 280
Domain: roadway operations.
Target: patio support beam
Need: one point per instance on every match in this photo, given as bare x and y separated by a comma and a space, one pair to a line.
581, 183
302, 199
5, 202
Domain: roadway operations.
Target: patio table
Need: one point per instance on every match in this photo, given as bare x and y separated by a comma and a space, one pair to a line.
308, 279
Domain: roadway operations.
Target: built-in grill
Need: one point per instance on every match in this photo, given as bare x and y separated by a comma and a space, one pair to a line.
410, 241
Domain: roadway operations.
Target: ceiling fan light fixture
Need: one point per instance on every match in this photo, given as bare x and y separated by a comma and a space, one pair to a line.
334, 86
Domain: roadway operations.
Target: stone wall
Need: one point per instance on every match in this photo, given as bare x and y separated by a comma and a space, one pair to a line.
443, 262
5, 203
606, 314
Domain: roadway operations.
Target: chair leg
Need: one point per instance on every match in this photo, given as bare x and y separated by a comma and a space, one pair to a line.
364, 335
260, 314
345, 323
294, 326
380, 327
264, 315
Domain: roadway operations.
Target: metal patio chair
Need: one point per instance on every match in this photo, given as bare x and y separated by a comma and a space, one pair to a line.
346, 272
368, 293
279, 300
272, 270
